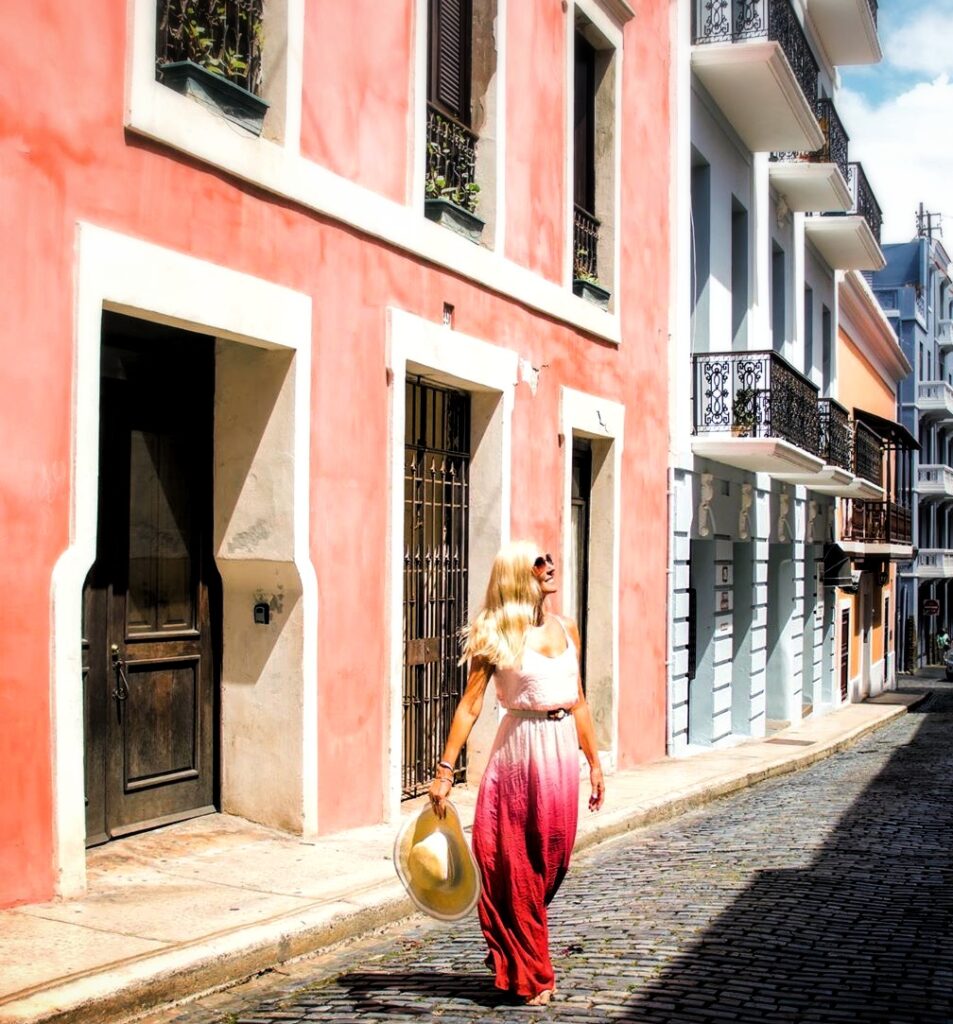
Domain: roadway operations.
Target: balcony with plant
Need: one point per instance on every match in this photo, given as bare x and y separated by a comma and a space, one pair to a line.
754, 410
451, 192
211, 51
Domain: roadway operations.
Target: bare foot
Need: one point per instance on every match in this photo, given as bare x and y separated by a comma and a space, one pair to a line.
542, 998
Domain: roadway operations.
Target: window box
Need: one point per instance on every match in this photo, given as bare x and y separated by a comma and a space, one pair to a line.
233, 102
591, 292
456, 218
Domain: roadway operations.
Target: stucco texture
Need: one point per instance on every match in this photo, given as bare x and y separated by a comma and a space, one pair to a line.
65, 158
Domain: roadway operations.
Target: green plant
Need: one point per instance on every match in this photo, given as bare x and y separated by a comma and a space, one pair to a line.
580, 270
743, 414
224, 37
450, 161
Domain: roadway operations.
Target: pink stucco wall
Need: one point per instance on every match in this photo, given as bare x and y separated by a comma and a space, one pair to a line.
64, 158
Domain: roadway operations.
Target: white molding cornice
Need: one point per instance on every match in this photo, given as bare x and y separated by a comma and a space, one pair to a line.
618, 10
869, 328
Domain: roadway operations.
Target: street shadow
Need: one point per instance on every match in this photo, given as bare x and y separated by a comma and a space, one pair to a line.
864, 933
387, 991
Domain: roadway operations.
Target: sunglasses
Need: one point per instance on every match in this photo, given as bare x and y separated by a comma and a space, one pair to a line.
542, 561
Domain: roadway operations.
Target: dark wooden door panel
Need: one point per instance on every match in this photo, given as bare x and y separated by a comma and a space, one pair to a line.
153, 594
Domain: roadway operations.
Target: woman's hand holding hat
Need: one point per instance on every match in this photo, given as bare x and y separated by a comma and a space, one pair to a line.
438, 793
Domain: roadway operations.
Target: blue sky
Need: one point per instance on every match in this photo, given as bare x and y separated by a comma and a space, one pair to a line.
899, 114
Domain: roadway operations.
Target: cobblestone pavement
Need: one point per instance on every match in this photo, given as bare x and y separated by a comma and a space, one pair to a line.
824, 896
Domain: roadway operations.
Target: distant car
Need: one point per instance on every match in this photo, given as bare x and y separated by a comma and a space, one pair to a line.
948, 664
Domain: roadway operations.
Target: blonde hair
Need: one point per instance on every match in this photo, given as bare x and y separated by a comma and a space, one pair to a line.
511, 606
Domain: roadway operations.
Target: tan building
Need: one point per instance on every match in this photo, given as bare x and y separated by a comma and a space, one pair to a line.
874, 529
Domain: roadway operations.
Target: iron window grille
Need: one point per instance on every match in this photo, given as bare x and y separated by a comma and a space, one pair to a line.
222, 36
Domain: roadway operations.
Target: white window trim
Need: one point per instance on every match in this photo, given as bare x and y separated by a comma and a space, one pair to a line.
127, 275
158, 113
601, 419
417, 345
610, 28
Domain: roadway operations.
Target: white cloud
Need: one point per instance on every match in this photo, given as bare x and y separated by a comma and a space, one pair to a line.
906, 146
924, 43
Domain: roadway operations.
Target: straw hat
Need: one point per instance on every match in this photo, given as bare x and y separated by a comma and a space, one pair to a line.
434, 862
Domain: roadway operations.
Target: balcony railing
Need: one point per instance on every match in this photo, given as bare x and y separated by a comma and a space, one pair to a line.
451, 160
944, 334
756, 394
935, 398
836, 439
733, 21
934, 563
836, 140
877, 522
585, 245
868, 455
865, 202
934, 479
224, 37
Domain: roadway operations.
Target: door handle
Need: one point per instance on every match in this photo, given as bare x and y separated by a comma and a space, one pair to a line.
121, 692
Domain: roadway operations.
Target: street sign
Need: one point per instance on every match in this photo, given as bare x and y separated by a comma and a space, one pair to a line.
931, 606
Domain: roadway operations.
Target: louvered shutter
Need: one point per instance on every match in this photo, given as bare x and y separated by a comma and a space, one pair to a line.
450, 57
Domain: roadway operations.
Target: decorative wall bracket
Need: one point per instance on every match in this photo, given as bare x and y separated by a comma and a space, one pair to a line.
744, 516
784, 511
706, 518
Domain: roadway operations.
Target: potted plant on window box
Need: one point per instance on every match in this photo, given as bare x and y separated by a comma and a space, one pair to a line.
452, 206
586, 285
210, 50
743, 414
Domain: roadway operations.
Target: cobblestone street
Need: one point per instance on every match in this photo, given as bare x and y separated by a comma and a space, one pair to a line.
824, 896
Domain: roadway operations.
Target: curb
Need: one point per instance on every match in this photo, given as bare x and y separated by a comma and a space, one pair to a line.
144, 984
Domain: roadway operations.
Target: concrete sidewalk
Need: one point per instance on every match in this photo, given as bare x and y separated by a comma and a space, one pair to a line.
202, 904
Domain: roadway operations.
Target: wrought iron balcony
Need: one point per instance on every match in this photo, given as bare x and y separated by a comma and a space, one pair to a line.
836, 439
836, 140
849, 239
451, 160
226, 41
847, 30
877, 522
734, 21
585, 245
865, 202
868, 455
755, 394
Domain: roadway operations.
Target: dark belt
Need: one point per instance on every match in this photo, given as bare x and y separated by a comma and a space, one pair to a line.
555, 715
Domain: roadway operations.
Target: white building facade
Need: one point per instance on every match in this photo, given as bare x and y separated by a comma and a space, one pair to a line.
768, 212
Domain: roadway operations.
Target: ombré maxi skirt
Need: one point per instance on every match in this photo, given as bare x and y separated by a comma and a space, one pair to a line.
523, 834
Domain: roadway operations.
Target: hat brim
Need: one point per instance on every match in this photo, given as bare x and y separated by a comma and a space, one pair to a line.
450, 900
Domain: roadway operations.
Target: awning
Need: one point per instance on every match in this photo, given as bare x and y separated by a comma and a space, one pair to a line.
890, 430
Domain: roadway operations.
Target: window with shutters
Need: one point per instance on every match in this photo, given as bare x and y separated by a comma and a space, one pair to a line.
594, 76
461, 83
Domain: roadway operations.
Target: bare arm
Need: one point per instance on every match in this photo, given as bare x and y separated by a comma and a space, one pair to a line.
468, 711
586, 733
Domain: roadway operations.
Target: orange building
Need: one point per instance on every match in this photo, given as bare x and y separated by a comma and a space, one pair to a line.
873, 525
293, 343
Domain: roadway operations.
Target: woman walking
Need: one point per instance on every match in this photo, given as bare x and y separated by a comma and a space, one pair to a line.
527, 806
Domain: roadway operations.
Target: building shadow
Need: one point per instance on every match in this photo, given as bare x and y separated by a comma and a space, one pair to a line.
864, 933
395, 992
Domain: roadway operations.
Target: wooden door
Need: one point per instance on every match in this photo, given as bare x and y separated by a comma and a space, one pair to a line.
151, 600
844, 652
